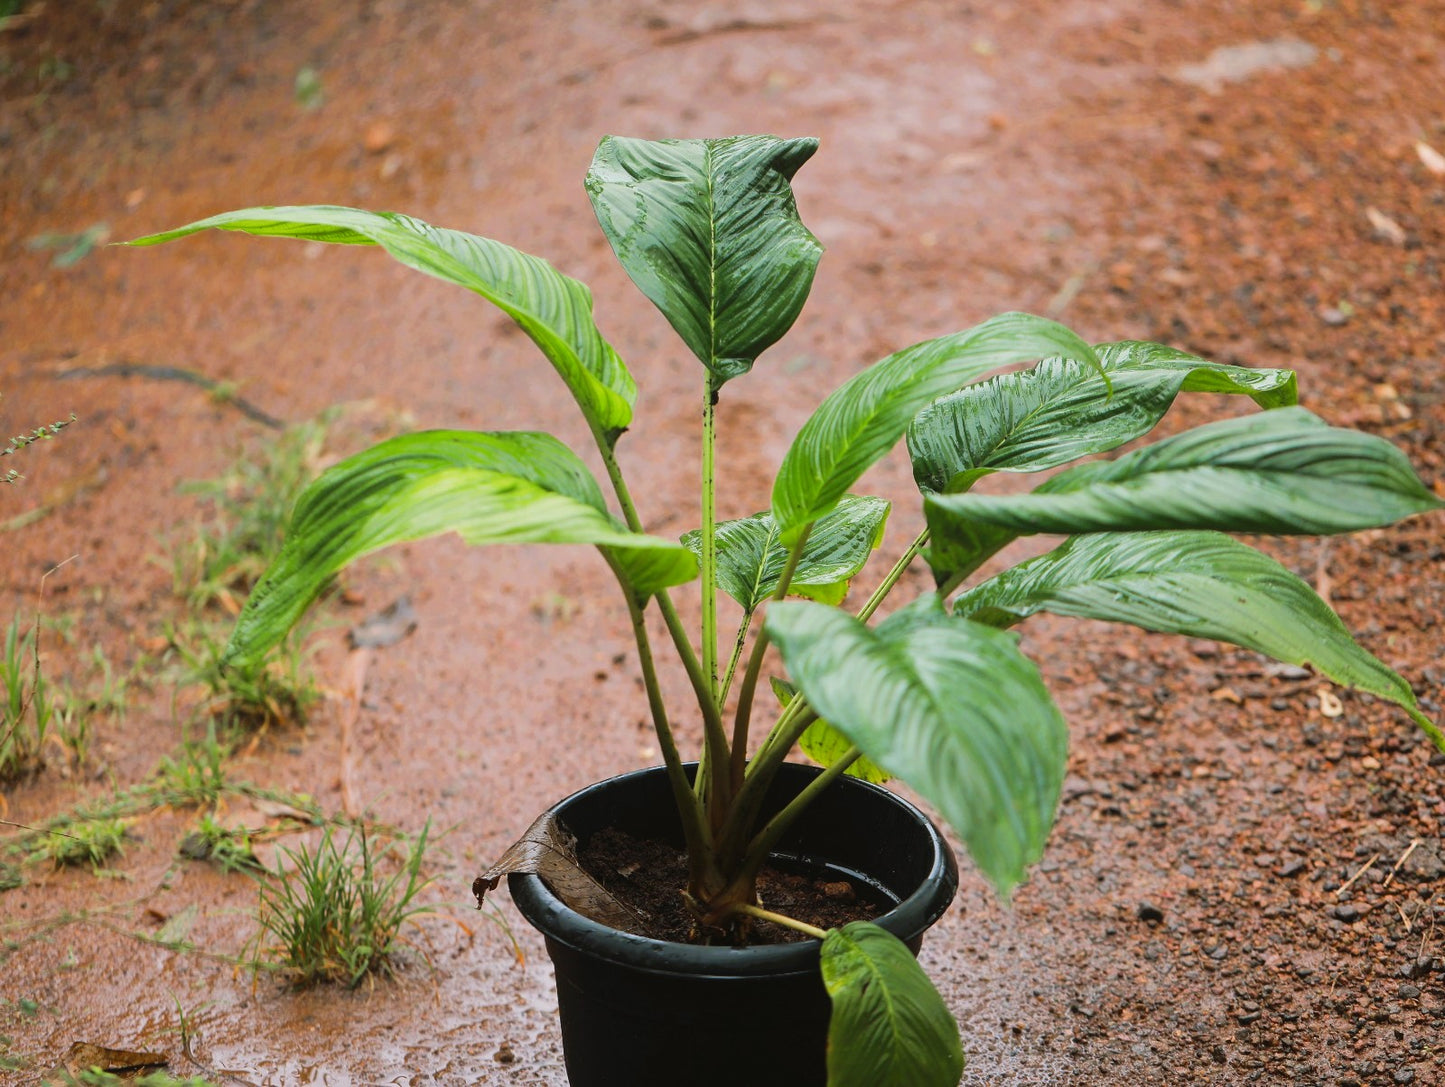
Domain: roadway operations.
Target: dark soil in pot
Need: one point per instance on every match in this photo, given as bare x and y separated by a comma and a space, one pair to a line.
641, 1011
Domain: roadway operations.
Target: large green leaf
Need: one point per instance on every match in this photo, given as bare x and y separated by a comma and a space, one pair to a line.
866, 416
709, 230
889, 1027
1201, 584
490, 488
1063, 409
825, 745
751, 558
555, 311
1284, 471
948, 705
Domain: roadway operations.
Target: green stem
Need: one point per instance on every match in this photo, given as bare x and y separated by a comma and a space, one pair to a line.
695, 828
763, 842
742, 638
715, 737
779, 919
706, 699
886, 586
748, 690
708, 561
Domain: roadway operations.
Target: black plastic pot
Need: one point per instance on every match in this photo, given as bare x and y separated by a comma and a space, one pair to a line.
639, 1012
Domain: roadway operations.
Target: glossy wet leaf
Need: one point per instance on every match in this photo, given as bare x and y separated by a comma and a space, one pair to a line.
552, 309
513, 487
751, 557
709, 231
864, 418
889, 1026
1200, 584
950, 706
1284, 471
547, 850
1063, 409
825, 745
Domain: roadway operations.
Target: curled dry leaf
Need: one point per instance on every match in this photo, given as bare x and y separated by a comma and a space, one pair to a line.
547, 850
83, 1056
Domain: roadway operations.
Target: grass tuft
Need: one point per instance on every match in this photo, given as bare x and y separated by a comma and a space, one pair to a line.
332, 916
91, 842
26, 708
248, 506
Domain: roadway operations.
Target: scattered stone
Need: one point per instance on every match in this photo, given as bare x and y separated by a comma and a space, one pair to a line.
379, 137
1292, 867
1346, 912
1408, 992
1149, 912
1404, 1075
1236, 63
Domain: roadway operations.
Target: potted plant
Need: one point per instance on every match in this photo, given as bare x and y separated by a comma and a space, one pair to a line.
937, 694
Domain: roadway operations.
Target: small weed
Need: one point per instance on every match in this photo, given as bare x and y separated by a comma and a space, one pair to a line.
309, 92
26, 708
97, 1078
228, 849
71, 249
331, 916
20, 441
91, 842
279, 691
249, 505
197, 775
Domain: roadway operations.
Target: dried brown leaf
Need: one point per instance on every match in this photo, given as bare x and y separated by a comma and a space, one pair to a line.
83, 1056
547, 850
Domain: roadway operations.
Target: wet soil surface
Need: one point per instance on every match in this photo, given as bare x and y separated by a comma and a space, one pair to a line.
1245, 884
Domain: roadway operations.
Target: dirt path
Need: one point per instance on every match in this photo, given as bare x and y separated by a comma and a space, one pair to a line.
1097, 161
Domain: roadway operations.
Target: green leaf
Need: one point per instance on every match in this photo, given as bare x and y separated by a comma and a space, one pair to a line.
1284, 471
951, 707
864, 418
709, 231
751, 558
1201, 584
555, 311
490, 488
1063, 409
824, 744
889, 1027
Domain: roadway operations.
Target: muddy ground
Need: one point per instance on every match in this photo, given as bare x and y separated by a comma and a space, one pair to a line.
1223, 900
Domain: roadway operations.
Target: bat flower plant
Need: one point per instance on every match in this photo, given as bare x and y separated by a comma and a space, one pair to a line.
935, 693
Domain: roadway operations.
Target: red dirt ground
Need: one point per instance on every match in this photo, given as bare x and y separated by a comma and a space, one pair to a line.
1193, 919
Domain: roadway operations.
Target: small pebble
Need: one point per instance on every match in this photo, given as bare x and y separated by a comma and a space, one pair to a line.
1345, 912
1292, 867
1408, 992
1147, 911
379, 136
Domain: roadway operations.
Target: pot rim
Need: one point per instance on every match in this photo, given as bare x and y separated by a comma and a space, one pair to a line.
559, 923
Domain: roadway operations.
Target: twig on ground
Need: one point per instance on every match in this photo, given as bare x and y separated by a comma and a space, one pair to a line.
1403, 858
1363, 869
